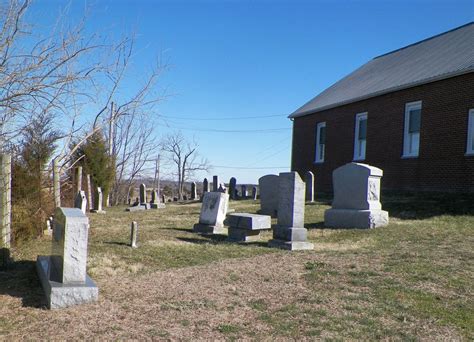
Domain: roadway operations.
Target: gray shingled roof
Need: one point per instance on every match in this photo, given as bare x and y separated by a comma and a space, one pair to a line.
442, 56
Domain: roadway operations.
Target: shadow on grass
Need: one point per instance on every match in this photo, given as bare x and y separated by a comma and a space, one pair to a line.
187, 230
116, 243
418, 206
19, 279
221, 239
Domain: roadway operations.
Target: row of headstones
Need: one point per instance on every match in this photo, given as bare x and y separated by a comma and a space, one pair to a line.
232, 190
289, 233
356, 202
142, 203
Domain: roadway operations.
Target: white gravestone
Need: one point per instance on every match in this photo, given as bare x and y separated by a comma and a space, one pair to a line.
356, 201
81, 201
289, 233
98, 199
268, 188
63, 275
213, 211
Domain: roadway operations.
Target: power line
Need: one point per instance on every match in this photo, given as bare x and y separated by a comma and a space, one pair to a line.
250, 168
267, 130
223, 118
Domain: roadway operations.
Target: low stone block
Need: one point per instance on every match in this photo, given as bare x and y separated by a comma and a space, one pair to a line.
248, 221
60, 295
243, 235
290, 233
157, 205
349, 218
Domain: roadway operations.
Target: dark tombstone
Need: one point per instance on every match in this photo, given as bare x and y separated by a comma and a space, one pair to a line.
232, 188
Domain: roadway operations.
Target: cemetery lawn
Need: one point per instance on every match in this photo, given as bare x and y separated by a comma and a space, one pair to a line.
411, 280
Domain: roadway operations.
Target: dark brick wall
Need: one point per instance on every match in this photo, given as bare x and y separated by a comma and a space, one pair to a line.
441, 164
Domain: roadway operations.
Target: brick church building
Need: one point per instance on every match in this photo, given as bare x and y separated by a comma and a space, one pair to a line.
409, 112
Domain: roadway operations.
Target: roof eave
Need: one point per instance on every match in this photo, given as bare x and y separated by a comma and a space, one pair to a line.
383, 92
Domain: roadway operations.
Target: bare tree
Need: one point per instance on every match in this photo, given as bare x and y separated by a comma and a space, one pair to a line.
134, 149
185, 158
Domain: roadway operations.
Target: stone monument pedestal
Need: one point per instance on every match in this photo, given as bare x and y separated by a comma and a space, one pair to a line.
157, 205
59, 295
351, 218
245, 227
290, 238
63, 274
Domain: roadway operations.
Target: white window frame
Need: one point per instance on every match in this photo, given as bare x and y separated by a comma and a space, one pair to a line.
317, 155
408, 138
470, 133
358, 144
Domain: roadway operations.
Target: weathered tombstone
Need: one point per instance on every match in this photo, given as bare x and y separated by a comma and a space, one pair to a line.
245, 227
134, 234
193, 191
289, 232
5, 201
56, 183
98, 199
243, 189
232, 188
356, 201
63, 275
163, 199
268, 187
78, 178
155, 201
309, 180
215, 183
254, 193
222, 188
205, 186
89, 191
213, 210
142, 193
80, 201
49, 230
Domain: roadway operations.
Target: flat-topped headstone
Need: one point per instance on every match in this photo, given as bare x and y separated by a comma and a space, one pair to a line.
80, 201
142, 193
244, 227
309, 180
63, 274
356, 202
290, 232
213, 210
215, 183
98, 199
268, 187
232, 188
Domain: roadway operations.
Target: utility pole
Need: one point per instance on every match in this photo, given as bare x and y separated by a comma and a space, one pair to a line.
156, 181
111, 143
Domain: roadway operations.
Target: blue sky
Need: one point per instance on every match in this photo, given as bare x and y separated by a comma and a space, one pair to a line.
240, 59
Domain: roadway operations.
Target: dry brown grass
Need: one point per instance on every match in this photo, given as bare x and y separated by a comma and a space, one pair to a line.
411, 280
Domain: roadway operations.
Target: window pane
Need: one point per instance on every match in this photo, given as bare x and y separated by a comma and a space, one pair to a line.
322, 135
363, 129
415, 121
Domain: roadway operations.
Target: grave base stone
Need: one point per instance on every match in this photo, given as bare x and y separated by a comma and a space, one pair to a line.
245, 227
350, 218
59, 295
63, 275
